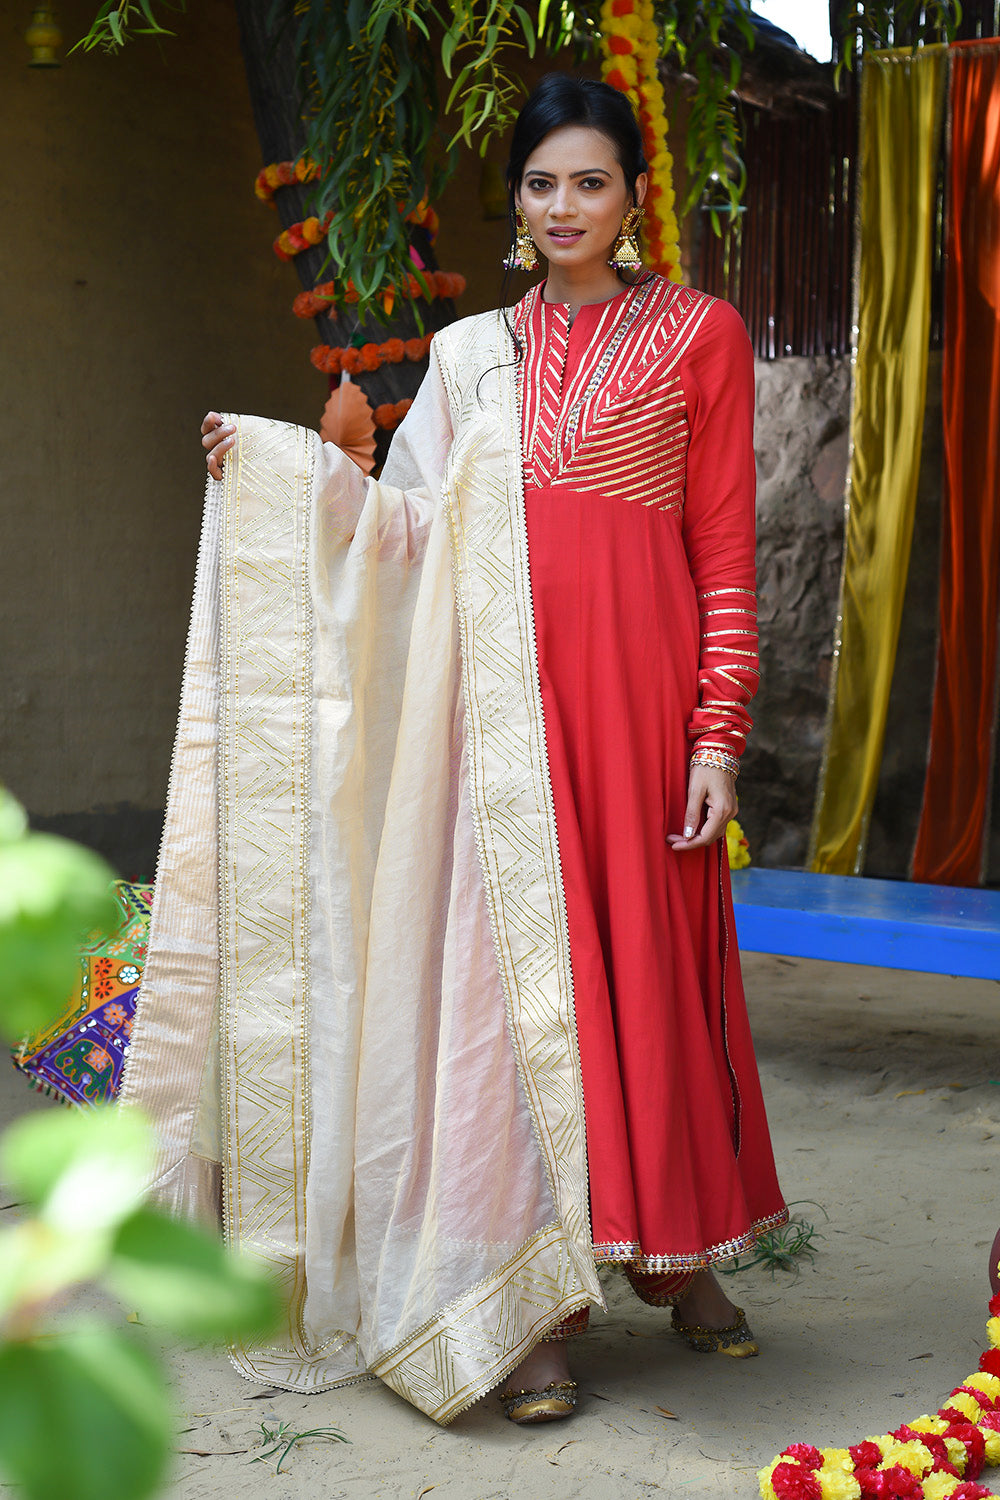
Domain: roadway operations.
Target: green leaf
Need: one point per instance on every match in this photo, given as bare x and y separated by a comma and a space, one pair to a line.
84, 1170
83, 1416
13, 818
448, 44
184, 1279
52, 893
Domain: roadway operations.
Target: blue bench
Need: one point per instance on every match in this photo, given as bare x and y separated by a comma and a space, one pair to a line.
936, 929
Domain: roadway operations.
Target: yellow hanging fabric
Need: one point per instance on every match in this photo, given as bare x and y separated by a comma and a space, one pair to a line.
901, 109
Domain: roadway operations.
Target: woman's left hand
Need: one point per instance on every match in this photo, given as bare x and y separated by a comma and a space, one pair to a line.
711, 803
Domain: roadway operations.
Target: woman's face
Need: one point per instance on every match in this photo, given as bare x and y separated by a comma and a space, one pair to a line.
574, 196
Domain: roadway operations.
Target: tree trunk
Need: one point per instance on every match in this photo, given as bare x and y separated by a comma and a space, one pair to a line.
272, 75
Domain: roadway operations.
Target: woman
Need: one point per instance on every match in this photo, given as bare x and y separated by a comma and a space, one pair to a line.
480, 721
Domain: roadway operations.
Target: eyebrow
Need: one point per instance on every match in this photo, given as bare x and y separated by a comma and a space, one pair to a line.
588, 172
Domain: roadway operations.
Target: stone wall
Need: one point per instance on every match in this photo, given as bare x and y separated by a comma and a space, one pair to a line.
803, 410
802, 445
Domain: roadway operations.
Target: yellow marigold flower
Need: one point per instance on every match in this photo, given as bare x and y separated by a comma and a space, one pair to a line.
764, 1480
271, 176
988, 1384
940, 1486
928, 1424
912, 1456
739, 856
993, 1332
992, 1446
835, 1484
967, 1405
957, 1452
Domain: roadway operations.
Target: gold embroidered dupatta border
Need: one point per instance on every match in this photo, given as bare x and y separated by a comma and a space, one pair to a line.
515, 817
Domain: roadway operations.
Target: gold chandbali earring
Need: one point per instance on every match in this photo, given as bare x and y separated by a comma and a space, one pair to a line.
625, 255
522, 255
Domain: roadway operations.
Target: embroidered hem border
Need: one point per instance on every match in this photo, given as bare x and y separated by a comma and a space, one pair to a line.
626, 1254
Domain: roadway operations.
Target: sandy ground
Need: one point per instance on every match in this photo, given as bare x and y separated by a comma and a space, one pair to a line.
884, 1096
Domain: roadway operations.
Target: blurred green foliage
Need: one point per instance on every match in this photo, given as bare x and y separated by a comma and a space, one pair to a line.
85, 1412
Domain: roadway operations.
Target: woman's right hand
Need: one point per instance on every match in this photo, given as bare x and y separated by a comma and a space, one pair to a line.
216, 439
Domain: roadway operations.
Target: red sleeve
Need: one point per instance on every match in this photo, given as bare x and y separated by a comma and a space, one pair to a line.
719, 534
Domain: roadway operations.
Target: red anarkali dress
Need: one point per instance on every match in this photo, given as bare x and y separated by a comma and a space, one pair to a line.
637, 422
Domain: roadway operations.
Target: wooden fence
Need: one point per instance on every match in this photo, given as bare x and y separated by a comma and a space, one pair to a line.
787, 263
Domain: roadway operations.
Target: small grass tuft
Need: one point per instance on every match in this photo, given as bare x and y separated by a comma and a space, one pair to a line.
280, 1438
784, 1248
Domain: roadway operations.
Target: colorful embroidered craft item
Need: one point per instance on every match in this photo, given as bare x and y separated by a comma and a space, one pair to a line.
80, 1057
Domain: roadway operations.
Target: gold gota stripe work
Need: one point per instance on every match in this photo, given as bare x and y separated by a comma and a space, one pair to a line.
265, 713
617, 425
511, 792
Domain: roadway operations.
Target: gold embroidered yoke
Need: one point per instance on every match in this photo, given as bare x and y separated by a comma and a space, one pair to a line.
617, 405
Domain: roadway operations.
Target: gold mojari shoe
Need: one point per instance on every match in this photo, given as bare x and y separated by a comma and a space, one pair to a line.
547, 1405
736, 1339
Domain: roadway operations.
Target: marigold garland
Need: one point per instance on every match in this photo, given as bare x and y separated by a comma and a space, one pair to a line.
631, 53
283, 174
931, 1458
391, 413
370, 356
323, 297
298, 237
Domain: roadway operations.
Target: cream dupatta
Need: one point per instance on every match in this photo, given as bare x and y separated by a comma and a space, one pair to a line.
360, 809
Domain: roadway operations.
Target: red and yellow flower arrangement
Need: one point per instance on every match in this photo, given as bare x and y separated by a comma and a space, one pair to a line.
631, 53
932, 1458
298, 237
283, 174
370, 356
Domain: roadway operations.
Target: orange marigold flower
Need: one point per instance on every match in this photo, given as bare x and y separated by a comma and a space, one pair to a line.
622, 7
414, 348
384, 414
271, 176
620, 46
394, 350
326, 359
350, 360
616, 78
312, 231
286, 173
369, 356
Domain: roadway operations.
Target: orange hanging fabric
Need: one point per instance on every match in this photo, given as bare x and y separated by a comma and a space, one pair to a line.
952, 835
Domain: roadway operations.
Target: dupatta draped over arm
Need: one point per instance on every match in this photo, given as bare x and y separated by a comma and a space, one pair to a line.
358, 996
